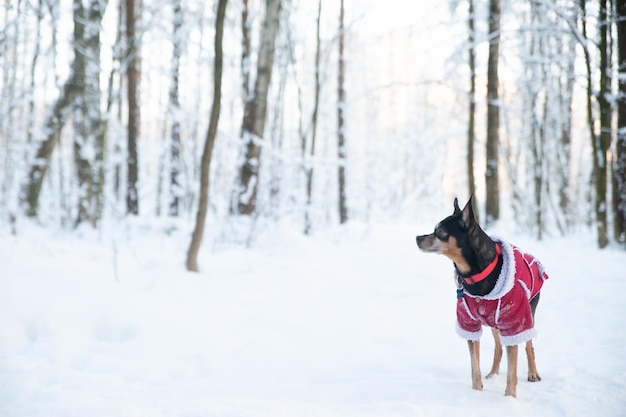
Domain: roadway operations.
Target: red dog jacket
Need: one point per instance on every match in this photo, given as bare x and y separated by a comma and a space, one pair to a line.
507, 306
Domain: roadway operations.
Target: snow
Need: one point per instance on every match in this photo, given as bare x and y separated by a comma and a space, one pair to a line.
356, 322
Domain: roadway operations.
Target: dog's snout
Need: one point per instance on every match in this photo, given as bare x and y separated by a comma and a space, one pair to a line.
427, 243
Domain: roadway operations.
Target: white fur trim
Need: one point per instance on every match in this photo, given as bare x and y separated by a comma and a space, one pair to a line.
506, 279
468, 335
524, 287
541, 270
497, 318
467, 310
516, 339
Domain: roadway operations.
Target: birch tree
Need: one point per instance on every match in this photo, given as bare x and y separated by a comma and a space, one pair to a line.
341, 122
245, 50
88, 127
316, 103
492, 206
83, 80
174, 108
255, 111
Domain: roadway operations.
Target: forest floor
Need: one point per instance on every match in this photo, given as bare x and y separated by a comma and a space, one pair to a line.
353, 322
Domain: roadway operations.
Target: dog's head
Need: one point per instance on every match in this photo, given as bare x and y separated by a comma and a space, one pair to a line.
449, 233
452, 236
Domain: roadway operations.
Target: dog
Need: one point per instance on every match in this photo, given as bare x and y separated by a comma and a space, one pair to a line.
497, 286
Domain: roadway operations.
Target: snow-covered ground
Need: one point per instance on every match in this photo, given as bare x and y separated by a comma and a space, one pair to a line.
359, 323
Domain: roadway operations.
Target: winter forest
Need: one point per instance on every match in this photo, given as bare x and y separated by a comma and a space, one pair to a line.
209, 208
234, 115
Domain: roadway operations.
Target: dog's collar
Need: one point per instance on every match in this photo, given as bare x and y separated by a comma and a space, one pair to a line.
473, 279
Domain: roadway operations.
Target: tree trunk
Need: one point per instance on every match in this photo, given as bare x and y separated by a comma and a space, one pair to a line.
203, 203
255, 111
309, 166
471, 125
88, 134
79, 117
537, 104
74, 87
134, 115
591, 121
564, 156
602, 142
245, 83
33, 70
114, 88
620, 164
492, 206
341, 134
15, 118
52, 130
175, 162
245, 50
277, 135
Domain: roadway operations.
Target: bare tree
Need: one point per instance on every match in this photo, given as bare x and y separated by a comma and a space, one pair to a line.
471, 125
492, 206
114, 87
134, 114
245, 50
537, 123
598, 100
17, 93
565, 103
341, 133
602, 142
88, 127
539, 166
316, 102
620, 164
33, 69
174, 107
255, 112
203, 203
277, 134
82, 81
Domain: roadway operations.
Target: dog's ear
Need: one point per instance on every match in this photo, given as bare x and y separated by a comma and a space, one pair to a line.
457, 210
468, 214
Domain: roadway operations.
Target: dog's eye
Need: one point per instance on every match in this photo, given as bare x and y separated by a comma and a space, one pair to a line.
440, 233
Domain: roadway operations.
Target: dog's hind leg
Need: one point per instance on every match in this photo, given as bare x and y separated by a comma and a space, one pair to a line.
474, 349
511, 376
533, 375
497, 354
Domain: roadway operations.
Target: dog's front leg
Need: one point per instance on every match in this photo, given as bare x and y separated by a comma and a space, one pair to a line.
474, 349
533, 375
511, 377
497, 354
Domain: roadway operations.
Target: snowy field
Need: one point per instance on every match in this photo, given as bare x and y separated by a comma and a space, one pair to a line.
357, 322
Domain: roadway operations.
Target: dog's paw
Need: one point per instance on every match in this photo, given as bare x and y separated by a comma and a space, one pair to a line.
533, 377
511, 392
492, 373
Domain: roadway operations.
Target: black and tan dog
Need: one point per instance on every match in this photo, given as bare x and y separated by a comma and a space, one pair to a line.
497, 286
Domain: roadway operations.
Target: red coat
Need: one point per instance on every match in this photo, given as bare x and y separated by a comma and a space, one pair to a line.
507, 306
